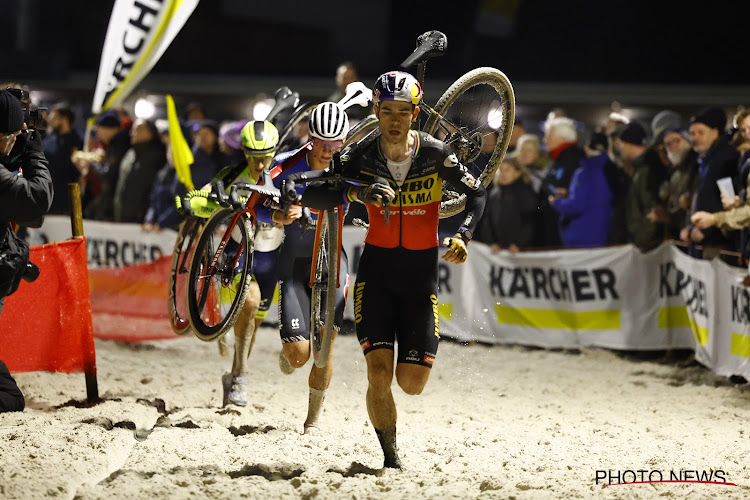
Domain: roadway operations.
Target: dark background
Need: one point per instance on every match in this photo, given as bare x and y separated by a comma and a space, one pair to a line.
544, 40
575, 54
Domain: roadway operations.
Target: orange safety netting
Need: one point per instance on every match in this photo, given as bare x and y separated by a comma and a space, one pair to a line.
130, 303
46, 325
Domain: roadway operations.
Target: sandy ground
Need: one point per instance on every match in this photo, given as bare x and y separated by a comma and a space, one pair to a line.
493, 422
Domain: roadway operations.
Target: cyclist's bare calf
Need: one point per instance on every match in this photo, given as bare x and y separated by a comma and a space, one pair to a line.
380, 405
235, 383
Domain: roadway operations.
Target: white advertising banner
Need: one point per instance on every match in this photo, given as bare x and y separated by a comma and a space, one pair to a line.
138, 34
718, 311
108, 244
606, 297
615, 298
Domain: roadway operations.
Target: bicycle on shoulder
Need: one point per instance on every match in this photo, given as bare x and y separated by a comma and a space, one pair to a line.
475, 116
286, 113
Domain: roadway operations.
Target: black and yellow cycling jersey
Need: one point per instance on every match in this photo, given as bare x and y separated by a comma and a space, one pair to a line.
415, 212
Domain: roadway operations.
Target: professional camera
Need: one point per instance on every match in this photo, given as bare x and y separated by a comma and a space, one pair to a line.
33, 118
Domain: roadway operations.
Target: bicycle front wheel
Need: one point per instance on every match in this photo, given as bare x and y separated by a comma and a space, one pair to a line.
476, 105
325, 280
179, 271
219, 275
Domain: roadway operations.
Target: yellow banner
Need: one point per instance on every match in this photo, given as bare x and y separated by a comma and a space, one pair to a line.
608, 319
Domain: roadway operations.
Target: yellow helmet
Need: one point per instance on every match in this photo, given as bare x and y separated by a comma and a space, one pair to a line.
259, 138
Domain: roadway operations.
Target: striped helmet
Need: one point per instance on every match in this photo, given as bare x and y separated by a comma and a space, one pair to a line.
259, 138
329, 122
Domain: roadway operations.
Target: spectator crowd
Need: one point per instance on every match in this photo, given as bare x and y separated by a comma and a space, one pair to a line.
569, 184
675, 178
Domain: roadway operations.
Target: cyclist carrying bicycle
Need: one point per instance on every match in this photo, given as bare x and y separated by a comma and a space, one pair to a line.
329, 125
396, 289
258, 142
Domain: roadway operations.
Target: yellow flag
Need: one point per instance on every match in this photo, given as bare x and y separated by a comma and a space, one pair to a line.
181, 153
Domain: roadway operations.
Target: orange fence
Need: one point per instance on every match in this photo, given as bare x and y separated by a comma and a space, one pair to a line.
46, 325
130, 303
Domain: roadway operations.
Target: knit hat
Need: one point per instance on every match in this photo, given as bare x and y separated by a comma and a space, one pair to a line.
108, 119
11, 113
664, 120
634, 133
598, 141
712, 117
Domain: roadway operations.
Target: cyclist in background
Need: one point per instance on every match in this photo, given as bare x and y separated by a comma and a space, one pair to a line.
329, 125
258, 142
396, 289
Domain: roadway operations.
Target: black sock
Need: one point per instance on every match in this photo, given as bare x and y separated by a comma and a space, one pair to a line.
387, 440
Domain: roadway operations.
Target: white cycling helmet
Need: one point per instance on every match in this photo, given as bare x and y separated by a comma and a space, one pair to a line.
329, 122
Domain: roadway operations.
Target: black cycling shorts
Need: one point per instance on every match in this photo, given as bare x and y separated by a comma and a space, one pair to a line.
295, 296
395, 299
265, 274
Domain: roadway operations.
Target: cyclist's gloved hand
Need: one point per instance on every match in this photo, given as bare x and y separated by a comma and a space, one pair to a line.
200, 205
457, 251
375, 192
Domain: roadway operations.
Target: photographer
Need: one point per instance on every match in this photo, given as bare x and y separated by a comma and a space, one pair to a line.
25, 195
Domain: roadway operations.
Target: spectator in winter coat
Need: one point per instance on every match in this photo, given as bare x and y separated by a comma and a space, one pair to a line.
586, 212
511, 211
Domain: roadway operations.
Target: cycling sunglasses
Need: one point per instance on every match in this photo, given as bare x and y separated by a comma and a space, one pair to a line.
328, 145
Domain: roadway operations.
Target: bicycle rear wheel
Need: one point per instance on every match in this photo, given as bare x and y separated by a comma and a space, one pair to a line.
179, 271
480, 101
325, 280
219, 276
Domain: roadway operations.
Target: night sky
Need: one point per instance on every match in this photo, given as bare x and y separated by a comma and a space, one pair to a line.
544, 41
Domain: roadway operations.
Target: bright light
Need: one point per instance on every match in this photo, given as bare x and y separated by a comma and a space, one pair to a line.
144, 108
495, 116
262, 108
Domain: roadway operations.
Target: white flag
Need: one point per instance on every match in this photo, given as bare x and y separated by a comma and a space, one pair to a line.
139, 32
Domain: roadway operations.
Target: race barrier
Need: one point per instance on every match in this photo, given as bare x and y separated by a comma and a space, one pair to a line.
46, 325
614, 297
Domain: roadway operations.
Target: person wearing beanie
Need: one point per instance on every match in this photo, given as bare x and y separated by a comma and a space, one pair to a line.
676, 193
665, 119
647, 172
26, 193
100, 176
735, 215
716, 159
11, 114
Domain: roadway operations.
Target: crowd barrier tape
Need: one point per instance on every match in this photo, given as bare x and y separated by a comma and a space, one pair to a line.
614, 297
46, 325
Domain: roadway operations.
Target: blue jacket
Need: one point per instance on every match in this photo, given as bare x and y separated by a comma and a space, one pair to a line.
586, 213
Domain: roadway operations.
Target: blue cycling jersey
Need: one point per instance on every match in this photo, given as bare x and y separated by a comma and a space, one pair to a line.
297, 244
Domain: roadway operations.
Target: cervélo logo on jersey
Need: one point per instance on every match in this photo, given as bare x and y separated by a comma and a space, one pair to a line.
419, 191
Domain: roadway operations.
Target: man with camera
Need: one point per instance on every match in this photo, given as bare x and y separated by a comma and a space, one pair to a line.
25, 195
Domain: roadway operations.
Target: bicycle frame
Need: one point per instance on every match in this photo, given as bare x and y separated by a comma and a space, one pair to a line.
318, 239
249, 209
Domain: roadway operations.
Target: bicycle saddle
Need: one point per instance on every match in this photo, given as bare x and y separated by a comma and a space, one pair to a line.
285, 99
356, 93
429, 44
